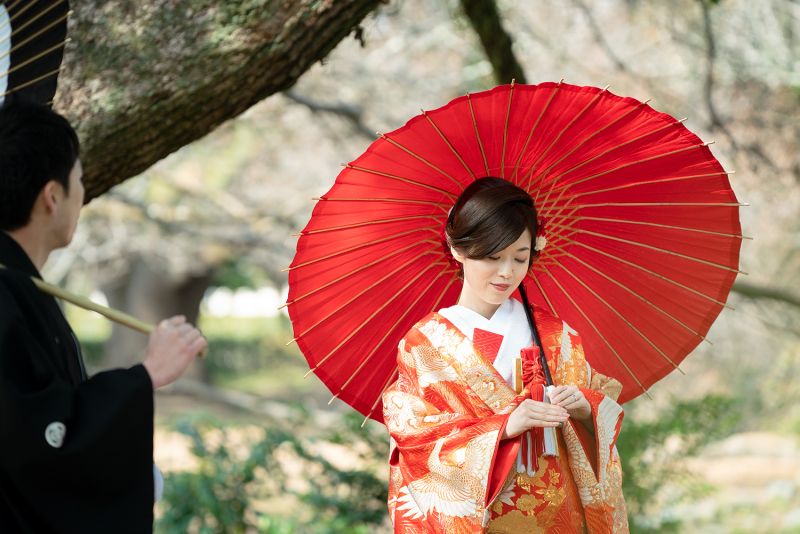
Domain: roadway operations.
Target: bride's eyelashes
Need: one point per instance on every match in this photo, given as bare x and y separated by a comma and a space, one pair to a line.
525, 260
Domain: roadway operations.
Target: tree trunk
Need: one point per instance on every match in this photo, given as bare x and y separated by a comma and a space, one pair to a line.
144, 78
485, 19
150, 296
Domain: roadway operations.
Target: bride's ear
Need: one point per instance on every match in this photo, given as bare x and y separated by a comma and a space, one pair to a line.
457, 255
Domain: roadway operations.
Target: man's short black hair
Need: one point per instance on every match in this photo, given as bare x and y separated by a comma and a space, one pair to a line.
36, 145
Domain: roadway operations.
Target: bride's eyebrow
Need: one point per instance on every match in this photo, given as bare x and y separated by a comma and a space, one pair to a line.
523, 249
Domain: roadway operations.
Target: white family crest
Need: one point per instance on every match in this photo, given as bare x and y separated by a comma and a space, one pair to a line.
54, 434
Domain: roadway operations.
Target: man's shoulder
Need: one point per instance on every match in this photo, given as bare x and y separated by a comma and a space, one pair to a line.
15, 288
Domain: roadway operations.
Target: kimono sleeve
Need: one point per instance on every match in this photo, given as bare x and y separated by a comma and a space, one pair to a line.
445, 440
593, 458
72, 458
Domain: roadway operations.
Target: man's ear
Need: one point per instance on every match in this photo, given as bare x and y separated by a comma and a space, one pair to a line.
51, 195
457, 255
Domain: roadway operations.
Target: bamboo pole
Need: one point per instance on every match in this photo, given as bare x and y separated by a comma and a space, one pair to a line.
82, 302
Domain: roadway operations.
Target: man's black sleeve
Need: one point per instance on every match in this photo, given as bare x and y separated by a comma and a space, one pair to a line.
73, 459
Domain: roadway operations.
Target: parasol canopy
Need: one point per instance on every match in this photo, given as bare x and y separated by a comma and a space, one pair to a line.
641, 224
32, 38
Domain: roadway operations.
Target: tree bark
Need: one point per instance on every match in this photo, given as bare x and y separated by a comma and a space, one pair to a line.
144, 78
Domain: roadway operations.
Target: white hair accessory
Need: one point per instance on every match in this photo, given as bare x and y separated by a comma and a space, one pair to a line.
541, 242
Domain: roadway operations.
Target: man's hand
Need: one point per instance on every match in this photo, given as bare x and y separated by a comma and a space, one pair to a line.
172, 348
532, 413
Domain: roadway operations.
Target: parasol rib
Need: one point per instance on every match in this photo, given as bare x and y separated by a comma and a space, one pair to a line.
34, 58
340, 308
648, 271
450, 283
585, 162
477, 135
623, 204
423, 160
598, 132
505, 132
631, 242
391, 378
544, 294
359, 246
597, 331
368, 319
400, 178
18, 13
388, 332
453, 150
400, 200
351, 273
635, 294
651, 158
558, 217
31, 82
367, 223
35, 35
610, 307
528, 176
9, 8
530, 135
648, 182
564, 188
657, 225
31, 21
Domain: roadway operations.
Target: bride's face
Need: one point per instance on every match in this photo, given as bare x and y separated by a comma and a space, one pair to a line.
490, 281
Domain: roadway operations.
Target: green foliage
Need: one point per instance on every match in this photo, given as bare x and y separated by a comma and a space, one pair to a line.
224, 493
93, 351
651, 454
236, 274
218, 498
219, 493
347, 501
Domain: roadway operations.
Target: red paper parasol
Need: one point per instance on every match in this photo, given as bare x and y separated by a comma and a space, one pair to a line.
642, 232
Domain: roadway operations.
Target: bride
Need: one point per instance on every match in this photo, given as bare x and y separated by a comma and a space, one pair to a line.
469, 451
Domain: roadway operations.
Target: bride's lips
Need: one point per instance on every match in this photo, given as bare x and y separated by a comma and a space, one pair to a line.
501, 287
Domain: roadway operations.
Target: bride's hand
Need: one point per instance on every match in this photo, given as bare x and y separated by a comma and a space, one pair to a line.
571, 399
532, 413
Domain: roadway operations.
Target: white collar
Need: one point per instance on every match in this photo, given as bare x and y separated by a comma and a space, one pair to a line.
508, 321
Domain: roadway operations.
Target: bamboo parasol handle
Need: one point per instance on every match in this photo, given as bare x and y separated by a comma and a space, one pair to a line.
82, 302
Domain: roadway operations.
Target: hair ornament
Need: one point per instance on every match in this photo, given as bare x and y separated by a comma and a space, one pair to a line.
446, 243
541, 240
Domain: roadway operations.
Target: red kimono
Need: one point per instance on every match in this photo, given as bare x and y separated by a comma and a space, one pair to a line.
450, 472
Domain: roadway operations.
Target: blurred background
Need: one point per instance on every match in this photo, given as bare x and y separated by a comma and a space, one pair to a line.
248, 445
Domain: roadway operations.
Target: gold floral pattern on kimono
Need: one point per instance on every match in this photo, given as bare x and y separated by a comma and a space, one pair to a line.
450, 471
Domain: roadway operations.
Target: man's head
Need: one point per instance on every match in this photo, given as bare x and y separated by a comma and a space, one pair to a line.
40, 173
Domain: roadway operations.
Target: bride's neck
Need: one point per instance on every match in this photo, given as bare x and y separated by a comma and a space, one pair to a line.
471, 301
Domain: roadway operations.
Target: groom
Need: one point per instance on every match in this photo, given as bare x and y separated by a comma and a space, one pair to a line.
75, 453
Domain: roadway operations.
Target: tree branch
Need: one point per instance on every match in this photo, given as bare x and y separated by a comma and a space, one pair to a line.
598, 36
249, 402
711, 54
765, 292
485, 19
144, 78
351, 114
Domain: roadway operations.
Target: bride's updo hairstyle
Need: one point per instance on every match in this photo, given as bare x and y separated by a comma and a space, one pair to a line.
490, 215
